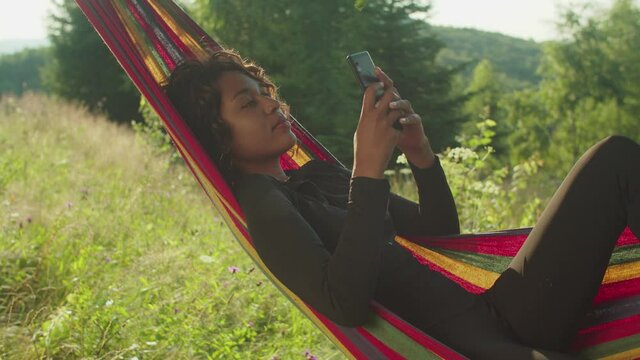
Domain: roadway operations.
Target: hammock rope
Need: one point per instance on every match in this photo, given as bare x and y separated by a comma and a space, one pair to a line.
150, 37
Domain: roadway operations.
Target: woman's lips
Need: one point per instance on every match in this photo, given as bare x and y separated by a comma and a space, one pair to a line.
282, 124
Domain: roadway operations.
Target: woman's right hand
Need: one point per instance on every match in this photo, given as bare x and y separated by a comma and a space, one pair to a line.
375, 138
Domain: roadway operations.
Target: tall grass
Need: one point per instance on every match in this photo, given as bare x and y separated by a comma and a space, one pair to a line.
109, 248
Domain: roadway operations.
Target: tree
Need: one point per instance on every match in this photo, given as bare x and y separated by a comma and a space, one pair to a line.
20, 71
82, 68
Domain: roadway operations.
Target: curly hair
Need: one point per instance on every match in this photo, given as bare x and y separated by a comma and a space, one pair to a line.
192, 89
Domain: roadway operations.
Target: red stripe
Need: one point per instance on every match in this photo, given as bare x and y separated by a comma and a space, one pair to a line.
203, 37
420, 337
310, 143
606, 332
288, 163
627, 238
150, 35
388, 352
344, 340
184, 49
491, 245
499, 245
617, 290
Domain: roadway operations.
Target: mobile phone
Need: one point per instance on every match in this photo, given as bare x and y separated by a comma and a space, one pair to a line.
364, 70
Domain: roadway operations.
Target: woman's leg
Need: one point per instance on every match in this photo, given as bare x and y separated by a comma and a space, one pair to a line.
551, 282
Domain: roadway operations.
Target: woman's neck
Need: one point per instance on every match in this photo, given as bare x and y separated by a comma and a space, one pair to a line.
271, 168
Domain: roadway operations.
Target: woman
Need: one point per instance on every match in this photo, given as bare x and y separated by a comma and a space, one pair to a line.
327, 232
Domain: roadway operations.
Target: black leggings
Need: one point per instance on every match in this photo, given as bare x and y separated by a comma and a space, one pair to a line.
535, 307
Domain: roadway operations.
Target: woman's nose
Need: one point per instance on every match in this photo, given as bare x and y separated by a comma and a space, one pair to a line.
271, 104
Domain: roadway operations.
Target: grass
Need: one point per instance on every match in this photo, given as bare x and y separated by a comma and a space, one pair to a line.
108, 251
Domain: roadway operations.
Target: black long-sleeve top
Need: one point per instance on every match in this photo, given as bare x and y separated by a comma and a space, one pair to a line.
330, 239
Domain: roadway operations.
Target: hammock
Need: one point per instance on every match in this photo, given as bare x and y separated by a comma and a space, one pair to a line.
150, 37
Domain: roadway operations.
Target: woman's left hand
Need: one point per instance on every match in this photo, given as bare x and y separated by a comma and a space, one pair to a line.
413, 140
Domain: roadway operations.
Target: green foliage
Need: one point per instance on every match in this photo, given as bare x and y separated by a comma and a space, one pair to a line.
82, 68
590, 89
152, 131
20, 71
309, 64
488, 195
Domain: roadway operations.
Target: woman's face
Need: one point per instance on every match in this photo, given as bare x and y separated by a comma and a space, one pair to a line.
259, 128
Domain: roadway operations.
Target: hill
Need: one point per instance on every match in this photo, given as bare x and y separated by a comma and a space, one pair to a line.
516, 58
14, 45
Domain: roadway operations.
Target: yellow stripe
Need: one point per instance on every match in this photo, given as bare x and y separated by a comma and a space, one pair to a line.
629, 354
299, 155
185, 37
474, 275
621, 272
150, 61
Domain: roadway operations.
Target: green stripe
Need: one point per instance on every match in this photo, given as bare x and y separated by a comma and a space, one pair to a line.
493, 263
498, 264
612, 347
397, 340
625, 254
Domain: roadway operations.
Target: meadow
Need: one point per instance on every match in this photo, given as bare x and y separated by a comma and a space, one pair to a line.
109, 249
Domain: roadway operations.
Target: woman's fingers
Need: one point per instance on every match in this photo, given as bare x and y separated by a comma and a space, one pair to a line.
369, 98
404, 105
386, 98
411, 119
388, 83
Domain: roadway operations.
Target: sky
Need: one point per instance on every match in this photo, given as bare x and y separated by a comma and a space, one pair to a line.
528, 19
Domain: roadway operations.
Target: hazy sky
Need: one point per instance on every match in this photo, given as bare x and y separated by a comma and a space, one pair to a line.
25, 19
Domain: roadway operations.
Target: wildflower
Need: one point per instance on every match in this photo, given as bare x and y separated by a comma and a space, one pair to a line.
309, 356
250, 324
108, 303
69, 204
29, 219
233, 269
402, 159
274, 357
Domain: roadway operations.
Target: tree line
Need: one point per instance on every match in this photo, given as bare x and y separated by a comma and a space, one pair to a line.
586, 84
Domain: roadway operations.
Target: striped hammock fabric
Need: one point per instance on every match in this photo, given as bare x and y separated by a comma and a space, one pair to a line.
150, 37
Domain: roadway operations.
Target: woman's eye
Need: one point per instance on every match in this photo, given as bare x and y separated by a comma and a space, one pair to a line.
253, 102
249, 103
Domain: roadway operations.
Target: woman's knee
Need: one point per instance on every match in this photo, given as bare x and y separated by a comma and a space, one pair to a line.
618, 143
616, 146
